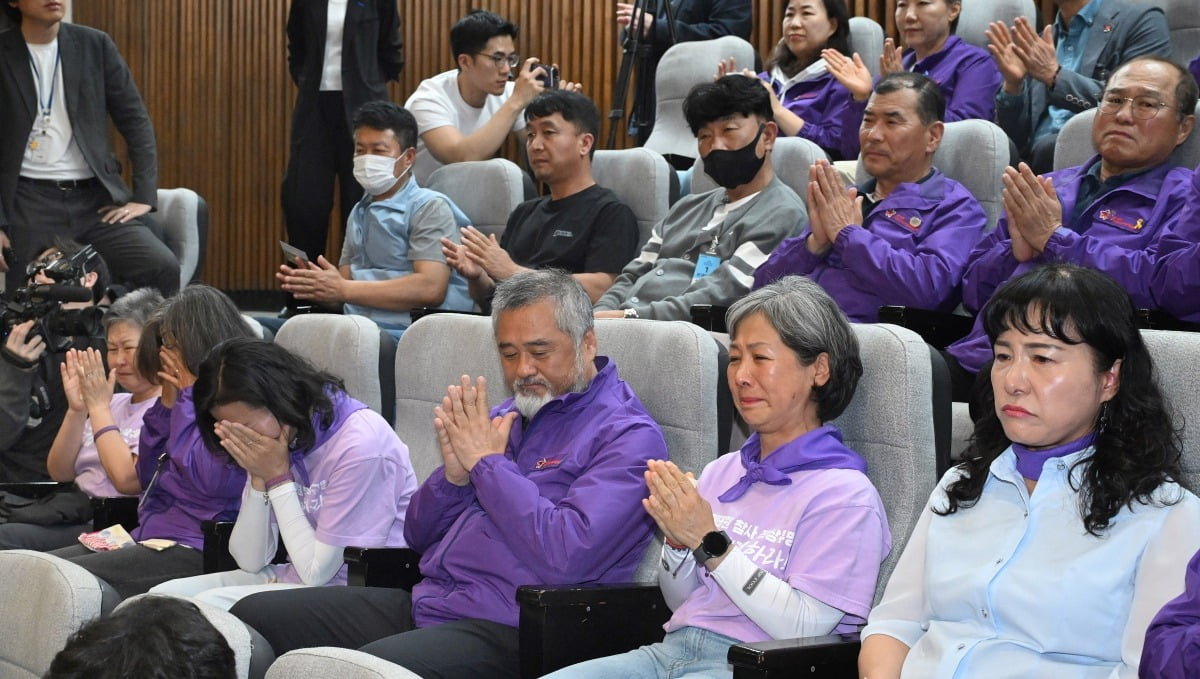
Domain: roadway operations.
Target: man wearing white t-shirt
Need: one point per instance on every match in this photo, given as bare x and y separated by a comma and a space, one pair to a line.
467, 113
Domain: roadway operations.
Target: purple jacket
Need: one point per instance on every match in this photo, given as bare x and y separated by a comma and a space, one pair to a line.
562, 505
1177, 271
1172, 649
824, 106
1117, 234
194, 485
911, 251
967, 75
1195, 68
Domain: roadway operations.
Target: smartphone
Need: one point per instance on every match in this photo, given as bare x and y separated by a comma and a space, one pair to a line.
550, 79
290, 253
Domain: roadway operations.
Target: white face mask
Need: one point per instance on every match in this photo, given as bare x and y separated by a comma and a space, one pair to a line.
375, 173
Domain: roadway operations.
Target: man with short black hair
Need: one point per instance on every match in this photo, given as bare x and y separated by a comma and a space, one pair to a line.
706, 249
580, 227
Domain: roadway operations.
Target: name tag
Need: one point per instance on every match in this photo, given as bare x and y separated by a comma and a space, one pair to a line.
705, 264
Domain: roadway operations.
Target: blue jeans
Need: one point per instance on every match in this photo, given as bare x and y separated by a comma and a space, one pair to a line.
689, 652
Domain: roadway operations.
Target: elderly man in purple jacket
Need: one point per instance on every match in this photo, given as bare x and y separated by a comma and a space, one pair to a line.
1177, 271
546, 488
1108, 214
904, 236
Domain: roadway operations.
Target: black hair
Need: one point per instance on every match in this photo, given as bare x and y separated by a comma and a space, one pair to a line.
840, 40
264, 375
1186, 89
1137, 447
574, 108
386, 115
931, 103
198, 318
90, 262
726, 96
470, 34
153, 637
13, 14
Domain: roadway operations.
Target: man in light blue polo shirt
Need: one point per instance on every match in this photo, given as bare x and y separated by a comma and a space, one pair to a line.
1050, 77
392, 257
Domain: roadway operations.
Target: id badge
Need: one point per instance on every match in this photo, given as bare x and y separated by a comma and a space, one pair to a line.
705, 264
37, 147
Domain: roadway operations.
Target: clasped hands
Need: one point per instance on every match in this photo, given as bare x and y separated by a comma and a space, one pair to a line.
85, 381
832, 206
681, 514
465, 430
479, 254
1033, 211
318, 282
1020, 51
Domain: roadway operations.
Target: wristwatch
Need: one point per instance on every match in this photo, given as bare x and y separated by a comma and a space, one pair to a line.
713, 545
631, 313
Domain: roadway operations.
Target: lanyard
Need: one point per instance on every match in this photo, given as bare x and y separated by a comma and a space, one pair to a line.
49, 103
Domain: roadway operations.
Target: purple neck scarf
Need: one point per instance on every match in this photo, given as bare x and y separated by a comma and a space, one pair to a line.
343, 407
820, 448
1030, 462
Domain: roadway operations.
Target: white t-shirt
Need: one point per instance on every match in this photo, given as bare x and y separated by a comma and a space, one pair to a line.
437, 103
335, 23
51, 151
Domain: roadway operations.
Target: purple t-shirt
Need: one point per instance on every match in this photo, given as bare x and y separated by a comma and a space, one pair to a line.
89, 471
825, 534
359, 484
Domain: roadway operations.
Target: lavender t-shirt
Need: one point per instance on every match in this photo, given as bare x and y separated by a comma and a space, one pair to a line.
825, 534
360, 482
89, 471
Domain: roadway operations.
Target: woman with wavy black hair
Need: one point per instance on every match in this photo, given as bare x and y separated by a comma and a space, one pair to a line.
1048, 551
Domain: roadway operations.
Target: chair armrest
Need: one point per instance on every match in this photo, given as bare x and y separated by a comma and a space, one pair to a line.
216, 547
394, 567
711, 317
833, 656
563, 625
108, 511
35, 489
937, 328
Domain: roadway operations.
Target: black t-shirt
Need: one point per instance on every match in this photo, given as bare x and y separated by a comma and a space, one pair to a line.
586, 232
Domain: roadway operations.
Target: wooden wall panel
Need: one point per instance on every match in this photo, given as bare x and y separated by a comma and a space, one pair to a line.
214, 77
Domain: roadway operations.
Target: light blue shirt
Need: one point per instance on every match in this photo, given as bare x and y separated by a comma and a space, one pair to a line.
384, 237
1072, 40
1015, 587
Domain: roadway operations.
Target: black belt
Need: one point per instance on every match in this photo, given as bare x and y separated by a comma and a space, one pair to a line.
64, 184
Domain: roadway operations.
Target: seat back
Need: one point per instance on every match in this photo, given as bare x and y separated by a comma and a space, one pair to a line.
897, 442
866, 38
641, 179
1183, 22
682, 67
1074, 144
975, 17
487, 191
184, 218
790, 159
1174, 354
349, 347
328, 661
45, 599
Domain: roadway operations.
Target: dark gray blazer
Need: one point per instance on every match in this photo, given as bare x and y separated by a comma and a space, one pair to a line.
1122, 30
97, 85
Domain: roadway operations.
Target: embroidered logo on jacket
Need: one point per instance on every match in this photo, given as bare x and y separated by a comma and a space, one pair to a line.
547, 463
911, 223
1110, 216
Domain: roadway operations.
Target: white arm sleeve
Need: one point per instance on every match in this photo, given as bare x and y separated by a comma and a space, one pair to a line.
253, 541
771, 603
315, 562
677, 576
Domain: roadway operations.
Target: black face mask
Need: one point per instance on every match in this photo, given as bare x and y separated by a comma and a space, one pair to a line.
731, 169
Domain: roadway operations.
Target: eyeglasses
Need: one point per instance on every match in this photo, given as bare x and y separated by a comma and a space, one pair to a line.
1143, 107
47, 262
500, 58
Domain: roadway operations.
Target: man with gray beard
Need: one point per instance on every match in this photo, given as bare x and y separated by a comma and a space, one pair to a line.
544, 488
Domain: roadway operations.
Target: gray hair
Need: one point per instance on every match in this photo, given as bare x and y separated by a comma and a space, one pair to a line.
810, 323
134, 308
572, 307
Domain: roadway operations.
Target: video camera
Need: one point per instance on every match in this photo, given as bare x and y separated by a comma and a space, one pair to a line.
43, 303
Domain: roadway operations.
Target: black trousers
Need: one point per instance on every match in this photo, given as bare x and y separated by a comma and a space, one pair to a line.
134, 570
379, 621
134, 254
322, 151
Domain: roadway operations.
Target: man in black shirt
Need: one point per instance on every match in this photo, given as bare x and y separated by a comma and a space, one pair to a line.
580, 227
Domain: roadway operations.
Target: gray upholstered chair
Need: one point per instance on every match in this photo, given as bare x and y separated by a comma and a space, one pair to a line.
1183, 20
184, 218
1174, 354
641, 179
44, 600
898, 444
251, 652
487, 191
328, 661
866, 39
976, 16
1074, 144
350, 347
683, 66
790, 159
